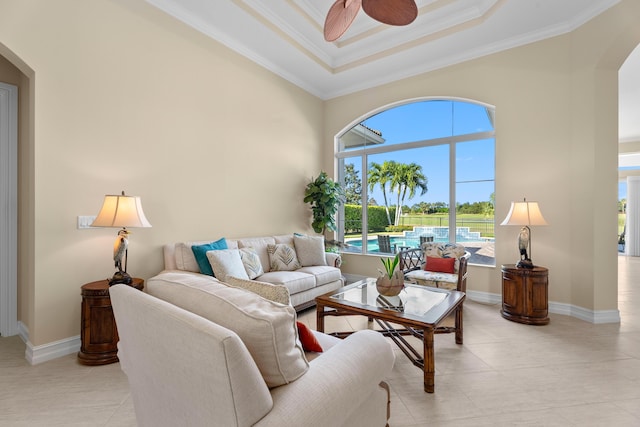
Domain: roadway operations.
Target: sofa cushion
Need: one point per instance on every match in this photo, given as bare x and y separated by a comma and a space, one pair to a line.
284, 238
200, 252
260, 246
429, 278
282, 257
227, 262
251, 262
442, 265
275, 293
322, 273
310, 250
267, 328
295, 281
186, 260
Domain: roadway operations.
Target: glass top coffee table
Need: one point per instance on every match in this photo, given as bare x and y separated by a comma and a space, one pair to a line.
419, 310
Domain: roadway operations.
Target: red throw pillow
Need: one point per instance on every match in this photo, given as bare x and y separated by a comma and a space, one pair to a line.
440, 265
308, 340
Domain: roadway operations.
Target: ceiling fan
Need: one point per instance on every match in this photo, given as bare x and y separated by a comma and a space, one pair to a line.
343, 12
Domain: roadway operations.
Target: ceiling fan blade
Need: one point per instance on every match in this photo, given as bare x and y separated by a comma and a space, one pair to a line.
339, 18
392, 12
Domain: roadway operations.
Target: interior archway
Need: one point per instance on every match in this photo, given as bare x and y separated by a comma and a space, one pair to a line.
629, 150
15, 72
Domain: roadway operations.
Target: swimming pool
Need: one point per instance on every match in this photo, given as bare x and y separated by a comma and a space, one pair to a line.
411, 239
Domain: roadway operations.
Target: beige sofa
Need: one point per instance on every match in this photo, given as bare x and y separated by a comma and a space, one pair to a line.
219, 355
316, 273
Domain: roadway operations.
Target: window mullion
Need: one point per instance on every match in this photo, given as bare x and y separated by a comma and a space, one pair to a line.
365, 202
452, 192
417, 144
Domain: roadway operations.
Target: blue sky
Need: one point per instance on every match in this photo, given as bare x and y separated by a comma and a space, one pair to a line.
622, 190
428, 120
622, 185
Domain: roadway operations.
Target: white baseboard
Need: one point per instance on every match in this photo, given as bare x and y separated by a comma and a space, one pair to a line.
45, 352
23, 331
591, 316
484, 297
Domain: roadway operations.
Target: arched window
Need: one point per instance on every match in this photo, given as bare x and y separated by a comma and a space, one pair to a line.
421, 169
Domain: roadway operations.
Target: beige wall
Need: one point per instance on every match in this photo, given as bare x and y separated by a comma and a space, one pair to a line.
122, 97
127, 98
556, 142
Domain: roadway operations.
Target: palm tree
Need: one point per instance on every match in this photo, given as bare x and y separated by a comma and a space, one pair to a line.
382, 175
407, 178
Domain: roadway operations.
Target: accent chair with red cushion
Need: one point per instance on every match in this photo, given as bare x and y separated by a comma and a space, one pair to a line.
441, 265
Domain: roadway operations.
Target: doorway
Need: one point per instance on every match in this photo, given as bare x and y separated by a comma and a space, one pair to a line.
629, 155
8, 209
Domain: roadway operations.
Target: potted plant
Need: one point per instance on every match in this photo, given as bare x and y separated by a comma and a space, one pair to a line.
324, 195
391, 281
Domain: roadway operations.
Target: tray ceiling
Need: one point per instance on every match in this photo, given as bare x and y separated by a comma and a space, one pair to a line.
286, 37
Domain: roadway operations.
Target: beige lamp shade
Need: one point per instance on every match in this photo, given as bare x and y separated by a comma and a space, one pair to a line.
524, 213
121, 211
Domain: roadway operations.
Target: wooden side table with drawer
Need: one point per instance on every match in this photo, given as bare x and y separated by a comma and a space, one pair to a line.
525, 294
98, 332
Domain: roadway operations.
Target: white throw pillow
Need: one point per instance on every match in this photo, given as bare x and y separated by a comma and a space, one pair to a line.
310, 250
260, 245
275, 293
251, 262
226, 262
282, 257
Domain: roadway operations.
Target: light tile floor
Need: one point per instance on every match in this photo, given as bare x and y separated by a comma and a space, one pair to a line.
567, 373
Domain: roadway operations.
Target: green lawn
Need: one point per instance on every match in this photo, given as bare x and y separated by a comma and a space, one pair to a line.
475, 222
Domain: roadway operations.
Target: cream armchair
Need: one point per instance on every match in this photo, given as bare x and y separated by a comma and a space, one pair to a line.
186, 370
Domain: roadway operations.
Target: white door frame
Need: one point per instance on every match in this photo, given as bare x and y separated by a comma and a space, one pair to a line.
8, 210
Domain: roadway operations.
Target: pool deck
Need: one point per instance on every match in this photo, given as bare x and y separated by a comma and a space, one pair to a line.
481, 252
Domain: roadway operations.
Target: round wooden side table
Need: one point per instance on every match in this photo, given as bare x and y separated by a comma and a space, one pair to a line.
525, 294
98, 333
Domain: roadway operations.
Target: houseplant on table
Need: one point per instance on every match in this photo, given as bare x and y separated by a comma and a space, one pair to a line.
391, 281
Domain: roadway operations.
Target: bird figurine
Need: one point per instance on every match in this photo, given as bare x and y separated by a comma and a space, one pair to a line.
523, 245
120, 247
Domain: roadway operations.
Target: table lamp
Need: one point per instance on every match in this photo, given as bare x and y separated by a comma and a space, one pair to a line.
121, 211
524, 213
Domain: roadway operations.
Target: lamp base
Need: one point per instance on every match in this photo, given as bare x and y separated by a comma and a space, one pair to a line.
525, 263
120, 277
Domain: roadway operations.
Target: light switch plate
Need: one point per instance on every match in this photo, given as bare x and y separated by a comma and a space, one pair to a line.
85, 221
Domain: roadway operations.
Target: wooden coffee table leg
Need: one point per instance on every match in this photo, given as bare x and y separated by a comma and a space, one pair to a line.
459, 325
319, 318
429, 361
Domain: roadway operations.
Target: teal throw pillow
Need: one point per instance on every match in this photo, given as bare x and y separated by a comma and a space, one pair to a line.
200, 252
